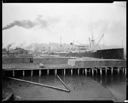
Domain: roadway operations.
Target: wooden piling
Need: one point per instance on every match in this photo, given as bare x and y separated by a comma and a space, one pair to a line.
78, 71
118, 70
55, 71
125, 71
82, 71
39, 73
64, 72
71, 71
92, 72
23, 73
96, 70
111, 70
40, 84
13, 73
48, 72
106, 70
31, 73
85, 71
100, 71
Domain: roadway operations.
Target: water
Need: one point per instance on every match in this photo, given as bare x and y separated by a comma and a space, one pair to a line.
82, 88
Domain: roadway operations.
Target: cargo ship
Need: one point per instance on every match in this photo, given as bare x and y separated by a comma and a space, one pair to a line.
93, 51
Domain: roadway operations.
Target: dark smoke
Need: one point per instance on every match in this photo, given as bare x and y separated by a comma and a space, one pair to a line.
27, 24
9, 26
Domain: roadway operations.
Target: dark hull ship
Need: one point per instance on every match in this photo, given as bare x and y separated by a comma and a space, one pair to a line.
93, 51
115, 53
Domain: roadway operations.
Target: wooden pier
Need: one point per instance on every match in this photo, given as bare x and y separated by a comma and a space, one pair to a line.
73, 67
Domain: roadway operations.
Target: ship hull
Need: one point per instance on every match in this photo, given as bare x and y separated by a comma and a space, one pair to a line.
116, 53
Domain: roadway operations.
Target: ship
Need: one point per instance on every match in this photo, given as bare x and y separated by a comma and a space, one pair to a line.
92, 50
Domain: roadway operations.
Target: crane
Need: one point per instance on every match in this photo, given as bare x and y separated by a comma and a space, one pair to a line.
73, 43
100, 39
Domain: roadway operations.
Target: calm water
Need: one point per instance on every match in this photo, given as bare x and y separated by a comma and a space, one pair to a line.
82, 88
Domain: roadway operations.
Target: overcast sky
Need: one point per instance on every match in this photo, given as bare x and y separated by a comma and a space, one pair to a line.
66, 21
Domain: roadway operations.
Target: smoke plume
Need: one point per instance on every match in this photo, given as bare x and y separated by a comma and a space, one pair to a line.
27, 24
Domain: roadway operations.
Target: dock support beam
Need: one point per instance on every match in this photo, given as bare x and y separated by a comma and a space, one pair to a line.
96, 70
106, 70
118, 70
78, 71
55, 71
48, 72
125, 71
112, 71
23, 73
31, 73
64, 71
82, 71
39, 73
71, 71
92, 72
13, 73
85, 71
100, 71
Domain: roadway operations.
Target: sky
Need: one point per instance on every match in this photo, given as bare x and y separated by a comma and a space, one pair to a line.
26, 23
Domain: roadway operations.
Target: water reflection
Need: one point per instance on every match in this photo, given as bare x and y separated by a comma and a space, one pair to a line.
82, 87
109, 80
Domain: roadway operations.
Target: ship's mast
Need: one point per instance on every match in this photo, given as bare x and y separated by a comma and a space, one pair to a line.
60, 41
92, 43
